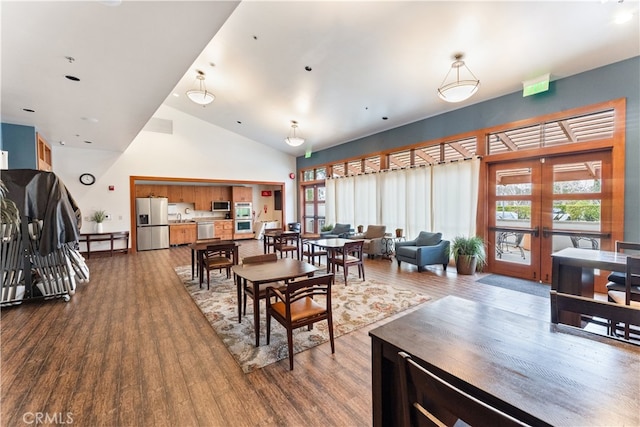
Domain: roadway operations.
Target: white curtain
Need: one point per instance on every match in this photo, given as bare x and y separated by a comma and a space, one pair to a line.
441, 198
455, 198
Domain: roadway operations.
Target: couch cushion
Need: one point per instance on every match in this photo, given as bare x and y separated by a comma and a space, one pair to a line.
341, 228
375, 231
410, 252
428, 239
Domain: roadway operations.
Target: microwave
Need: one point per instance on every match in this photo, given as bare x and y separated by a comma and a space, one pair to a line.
221, 206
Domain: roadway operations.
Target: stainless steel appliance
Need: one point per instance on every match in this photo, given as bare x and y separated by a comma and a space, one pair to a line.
242, 215
221, 206
152, 223
205, 230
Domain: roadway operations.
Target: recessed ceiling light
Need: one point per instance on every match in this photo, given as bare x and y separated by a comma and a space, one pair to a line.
238, 122
88, 142
28, 110
90, 119
61, 142
72, 78
385, 118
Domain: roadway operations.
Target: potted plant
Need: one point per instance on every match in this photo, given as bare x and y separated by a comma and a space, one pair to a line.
360, 229
327, 227
468, 253
98, 217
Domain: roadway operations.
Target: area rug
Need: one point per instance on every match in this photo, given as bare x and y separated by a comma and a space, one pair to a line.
515, 284
354, 306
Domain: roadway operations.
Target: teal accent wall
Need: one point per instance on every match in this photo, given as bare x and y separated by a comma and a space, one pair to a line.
614, 81
20, 142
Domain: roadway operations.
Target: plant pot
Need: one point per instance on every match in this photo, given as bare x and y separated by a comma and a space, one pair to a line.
466, 264
360, 228
399, 232
98, 227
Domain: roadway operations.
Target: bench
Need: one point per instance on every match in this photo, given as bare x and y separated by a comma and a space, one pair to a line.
110, 237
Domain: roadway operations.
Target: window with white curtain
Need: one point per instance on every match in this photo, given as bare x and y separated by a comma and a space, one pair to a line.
441, 198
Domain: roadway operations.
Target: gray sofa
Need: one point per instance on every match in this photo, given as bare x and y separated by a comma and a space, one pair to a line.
339, 230
426, 249
372, 239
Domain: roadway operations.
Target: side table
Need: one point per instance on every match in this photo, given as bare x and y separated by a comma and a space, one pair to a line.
389, 244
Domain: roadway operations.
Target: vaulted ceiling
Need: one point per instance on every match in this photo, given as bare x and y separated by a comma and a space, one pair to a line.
343, 70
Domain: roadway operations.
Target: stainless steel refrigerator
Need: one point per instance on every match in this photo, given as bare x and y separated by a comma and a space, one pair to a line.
152, 223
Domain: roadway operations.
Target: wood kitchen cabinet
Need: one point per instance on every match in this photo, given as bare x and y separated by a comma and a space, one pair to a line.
242, 194
180, 234
223, 229
181, 193
221, 194
203, 197
44, 154
151, 190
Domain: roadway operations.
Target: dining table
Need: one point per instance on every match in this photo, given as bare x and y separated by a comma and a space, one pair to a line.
199, 247
284, 269
573, 273
538, 372
331, 245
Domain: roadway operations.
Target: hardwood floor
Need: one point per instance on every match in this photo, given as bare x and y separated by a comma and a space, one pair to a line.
131, 349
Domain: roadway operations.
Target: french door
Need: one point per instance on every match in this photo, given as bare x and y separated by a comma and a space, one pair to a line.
314, 208
542, 205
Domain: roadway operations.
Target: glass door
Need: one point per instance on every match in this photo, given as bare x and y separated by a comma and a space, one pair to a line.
540, 206
314, 208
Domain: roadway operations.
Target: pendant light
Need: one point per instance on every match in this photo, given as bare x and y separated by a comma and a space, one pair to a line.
292, 139
200, 96
462, 86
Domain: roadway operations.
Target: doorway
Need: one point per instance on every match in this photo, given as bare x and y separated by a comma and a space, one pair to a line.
542, 205
313, 217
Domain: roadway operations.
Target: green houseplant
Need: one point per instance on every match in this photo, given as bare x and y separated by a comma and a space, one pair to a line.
468, 253
98, 217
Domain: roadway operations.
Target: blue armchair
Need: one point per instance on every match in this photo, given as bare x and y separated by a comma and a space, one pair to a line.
339, 230
426, 249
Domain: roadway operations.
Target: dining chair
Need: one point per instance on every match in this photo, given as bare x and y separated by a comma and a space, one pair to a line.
287, 242
262, 294
632, 282
617, 279
218, 257
302, 303
351, 254
311, 253
429, 400
268, 238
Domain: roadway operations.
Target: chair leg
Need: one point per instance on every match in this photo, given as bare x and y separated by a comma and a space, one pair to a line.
330, 324
268, 327
290, 344
361, 267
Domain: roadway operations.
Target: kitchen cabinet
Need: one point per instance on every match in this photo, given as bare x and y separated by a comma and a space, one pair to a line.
221, 194
151, 190
181, 193
203, 197
223, 229
180, 234
44, 154
242, 194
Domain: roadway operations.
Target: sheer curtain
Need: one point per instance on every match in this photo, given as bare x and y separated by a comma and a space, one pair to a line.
455, 198
365, 200
418, 206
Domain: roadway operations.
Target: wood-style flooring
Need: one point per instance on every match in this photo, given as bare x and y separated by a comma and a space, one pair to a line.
132, 349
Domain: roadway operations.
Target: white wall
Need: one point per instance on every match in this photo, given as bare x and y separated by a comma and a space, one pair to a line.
196, 149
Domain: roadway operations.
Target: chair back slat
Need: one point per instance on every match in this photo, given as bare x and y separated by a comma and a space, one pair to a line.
429, 400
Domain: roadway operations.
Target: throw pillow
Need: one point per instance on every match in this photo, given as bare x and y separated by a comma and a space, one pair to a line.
428, 239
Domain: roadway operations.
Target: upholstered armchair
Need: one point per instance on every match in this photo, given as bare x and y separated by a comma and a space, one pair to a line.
426, 249
372, 239
339, 230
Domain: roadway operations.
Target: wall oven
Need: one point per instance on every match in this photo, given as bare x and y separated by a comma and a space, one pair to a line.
243, 226
242, 210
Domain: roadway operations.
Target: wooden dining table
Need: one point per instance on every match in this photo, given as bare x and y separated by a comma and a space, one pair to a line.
198, 249
538, 372
283, 269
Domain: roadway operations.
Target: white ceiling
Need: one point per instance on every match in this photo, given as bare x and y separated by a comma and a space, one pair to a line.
368, 60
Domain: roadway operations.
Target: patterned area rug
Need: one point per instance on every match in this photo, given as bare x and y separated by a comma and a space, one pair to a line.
354, 306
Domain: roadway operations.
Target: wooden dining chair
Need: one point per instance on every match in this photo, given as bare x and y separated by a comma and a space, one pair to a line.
350, 255
311, 253
428, 400
628, 297
268, 238
618, 279
302, 303
218, 257
287, 242
262, 294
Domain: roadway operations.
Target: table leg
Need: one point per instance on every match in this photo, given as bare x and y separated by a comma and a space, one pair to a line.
239, 291
193, 256
256, 312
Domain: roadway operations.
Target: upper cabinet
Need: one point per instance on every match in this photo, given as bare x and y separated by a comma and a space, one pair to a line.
221, 194
181, 193
242, 194
44, 154
151, 190
203, 198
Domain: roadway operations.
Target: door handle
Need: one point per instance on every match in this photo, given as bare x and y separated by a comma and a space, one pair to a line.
536, 232
546, 232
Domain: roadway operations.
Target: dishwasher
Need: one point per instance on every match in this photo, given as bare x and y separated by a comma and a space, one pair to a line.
205, 230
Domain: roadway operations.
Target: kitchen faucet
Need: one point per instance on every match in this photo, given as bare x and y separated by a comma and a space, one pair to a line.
179, 216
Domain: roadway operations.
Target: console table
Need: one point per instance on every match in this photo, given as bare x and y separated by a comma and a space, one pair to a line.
111, 237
